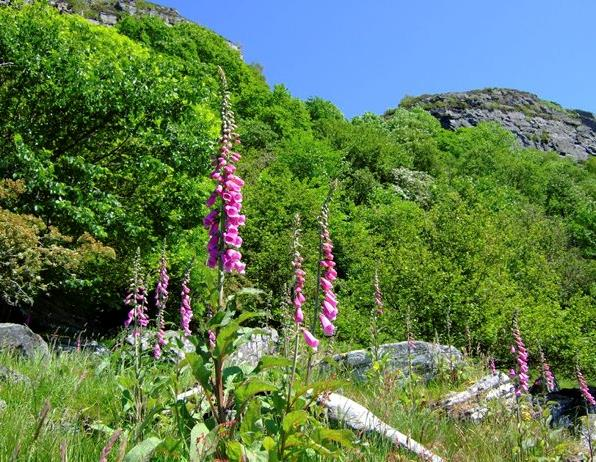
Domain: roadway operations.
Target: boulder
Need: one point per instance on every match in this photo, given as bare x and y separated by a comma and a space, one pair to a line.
263, 342
108, 19
20, 339
8, 375
2, 405
473, 403
425, 358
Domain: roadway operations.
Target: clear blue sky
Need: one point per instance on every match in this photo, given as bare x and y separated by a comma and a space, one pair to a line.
366, 55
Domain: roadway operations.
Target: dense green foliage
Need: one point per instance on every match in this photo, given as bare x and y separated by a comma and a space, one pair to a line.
111, 132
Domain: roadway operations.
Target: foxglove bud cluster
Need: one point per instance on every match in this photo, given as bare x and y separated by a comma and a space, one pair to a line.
410, 334
548, 374
136, 299
329, 304
519, 349
379, 307
161, 299
185, 308
226, 200
585, 390
492, 367
212, 339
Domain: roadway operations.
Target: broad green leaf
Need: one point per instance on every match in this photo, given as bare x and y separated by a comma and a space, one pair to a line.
251, 424
342, 437
246, 315
199, 369
235, 452
294, 419
142, 452
269, 443
252, 387
271, 362
203, 442
221, 318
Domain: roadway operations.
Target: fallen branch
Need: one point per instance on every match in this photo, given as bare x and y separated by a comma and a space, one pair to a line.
195, 391
357, 417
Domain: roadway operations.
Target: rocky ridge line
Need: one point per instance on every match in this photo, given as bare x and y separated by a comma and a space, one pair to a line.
536, 123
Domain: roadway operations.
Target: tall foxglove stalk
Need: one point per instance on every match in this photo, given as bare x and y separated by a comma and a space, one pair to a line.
185, 307
379, 306
329, 303
298, 295
223, 222
378, 312
161, 299
590, 402
521, 353
298, 299
137, 301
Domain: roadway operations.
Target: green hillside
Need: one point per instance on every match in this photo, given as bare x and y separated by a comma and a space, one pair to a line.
106, 138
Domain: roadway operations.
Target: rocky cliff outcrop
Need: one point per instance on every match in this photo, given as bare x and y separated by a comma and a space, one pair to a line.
109, 12
536, 123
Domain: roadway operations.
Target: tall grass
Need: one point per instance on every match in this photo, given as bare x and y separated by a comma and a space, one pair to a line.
80, 394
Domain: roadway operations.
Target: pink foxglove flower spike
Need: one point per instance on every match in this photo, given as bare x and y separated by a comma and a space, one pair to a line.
522, 361
223, 220
185, 307
329, 304
585, 390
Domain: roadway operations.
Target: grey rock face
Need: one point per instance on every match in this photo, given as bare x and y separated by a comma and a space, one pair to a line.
472, 403
108, 19
20, 339
8, 375
260, 344
2, 405
426, 358
536, 123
